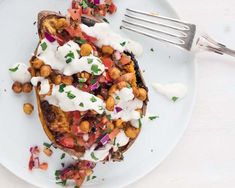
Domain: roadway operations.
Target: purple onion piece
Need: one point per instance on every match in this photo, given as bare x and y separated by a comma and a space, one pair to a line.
49, 37
118, 109
104, 140
95, 86
96, 2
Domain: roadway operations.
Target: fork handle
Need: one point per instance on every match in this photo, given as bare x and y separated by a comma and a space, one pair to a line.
207, 43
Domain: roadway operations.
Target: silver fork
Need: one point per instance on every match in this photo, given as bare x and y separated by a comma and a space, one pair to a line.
173, 31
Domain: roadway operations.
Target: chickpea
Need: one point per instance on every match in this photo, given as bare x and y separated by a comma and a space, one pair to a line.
110, 102
85, 126
17, 87
57, 79
37, 63
132, 132
32, 71
27, 87
112, 89
47, 151
142, 94
135, 91
85, 75
45, 70
67, 80
122, 84
119, 123
86, 49
110, 126
114, 73
28, 108
88, 172
107, 50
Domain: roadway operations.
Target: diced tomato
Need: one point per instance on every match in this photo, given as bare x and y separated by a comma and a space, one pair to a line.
80, 141
76, 116
108, 63
114, 133
75, 129
108, 78
74, 32
112, 8
88, 11
60, 40
75, 14
43, 166
67, 141
125, 59
89, 38
75, 4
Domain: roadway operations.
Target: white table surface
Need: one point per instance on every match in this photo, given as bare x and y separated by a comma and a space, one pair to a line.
205, 156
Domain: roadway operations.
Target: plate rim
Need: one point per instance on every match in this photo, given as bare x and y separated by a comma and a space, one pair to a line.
156, 165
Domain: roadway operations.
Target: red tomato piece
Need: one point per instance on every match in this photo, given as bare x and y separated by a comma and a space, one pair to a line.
112, 8
89, 38
67, 141
108, 63
125, 59
75, 14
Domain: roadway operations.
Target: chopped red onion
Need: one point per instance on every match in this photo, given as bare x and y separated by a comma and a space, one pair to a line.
105, 139
96, 2
95, 86
36, 162
49, 37
118, 109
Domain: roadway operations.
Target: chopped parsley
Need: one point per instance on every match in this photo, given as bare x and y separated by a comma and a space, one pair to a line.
117, 98
105, 20
70, 55
153, 117
81, 80
174, 98
84, 4
118, 144
95, 69
101, 108
69, 60
76, 186
80, 41
81, 104
78, 51
123, 43
47, 145
14, 69
89, 61
62, 156
88, 178
140, 123
93, 99
63, 183
93, 156
93, 177
43, 46
61, 89
93, 81
152, 50
62, 164
128, 86
108, 116
70, 95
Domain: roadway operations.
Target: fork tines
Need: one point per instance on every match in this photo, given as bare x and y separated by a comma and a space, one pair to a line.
158, 27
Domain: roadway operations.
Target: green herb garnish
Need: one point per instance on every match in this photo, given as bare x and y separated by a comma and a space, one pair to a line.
62, 156
63, 183
101, 108
62, 164
61, 88
89, 61
95, 69
123, 43
105, 20
76, 186
174, 98
93, 81
69, 60
152, 50
83, 4
78, 51
81, 80
93, 177
140, 123
70, 55
14, 69
108, 116
80, 41
93, 156
81, 104
47, 145
93, 99
118, 144
153, 117
70, 95
117, 98
128, 85
43, 46
88, 178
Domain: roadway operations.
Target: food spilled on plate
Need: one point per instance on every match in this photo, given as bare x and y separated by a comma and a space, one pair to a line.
90, 93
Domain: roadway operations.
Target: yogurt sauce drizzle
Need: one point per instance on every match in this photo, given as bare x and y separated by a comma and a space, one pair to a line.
105, 36
21, 73
71, 98
44, 87
66, 58
125, 100
171, 90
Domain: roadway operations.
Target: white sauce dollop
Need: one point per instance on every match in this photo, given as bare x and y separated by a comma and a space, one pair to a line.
44, 87
72, 99
121, 139
20, 73
124, 99
171, 90
66, 58
97, 155
105, 36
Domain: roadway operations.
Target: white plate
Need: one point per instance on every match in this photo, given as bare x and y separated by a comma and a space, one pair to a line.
19, 132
